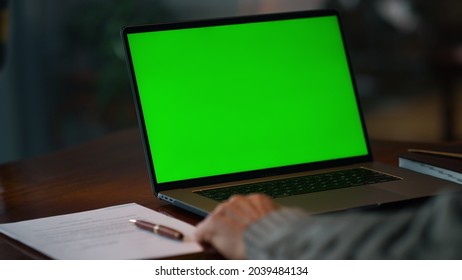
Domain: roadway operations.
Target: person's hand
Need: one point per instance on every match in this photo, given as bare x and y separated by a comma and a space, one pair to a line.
224, 227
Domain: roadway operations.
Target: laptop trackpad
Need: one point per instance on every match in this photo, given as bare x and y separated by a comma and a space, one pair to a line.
341, 199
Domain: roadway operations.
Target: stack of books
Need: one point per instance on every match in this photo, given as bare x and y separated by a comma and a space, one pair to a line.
444, 163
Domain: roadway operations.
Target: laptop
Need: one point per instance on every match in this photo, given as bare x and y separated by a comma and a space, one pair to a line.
264, 103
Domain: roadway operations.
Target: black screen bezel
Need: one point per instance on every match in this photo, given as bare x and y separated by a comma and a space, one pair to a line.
159, 187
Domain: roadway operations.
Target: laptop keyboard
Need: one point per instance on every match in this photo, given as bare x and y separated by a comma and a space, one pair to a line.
302, 185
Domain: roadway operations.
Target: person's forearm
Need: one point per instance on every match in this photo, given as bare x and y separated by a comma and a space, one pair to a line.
406, 234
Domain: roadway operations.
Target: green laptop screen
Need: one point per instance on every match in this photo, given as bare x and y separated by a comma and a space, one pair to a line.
243, 97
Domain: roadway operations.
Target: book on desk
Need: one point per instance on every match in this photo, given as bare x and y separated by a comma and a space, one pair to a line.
443, 162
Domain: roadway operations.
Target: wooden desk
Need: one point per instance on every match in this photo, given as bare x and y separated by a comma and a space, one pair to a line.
101, 173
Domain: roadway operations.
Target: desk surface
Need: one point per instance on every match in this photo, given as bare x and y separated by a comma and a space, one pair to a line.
101, 173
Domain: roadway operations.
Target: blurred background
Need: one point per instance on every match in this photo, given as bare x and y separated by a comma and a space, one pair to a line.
63, 78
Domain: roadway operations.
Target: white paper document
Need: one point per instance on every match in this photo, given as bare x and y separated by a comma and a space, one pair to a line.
104, 233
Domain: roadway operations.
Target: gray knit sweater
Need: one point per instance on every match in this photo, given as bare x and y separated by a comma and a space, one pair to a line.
432, 230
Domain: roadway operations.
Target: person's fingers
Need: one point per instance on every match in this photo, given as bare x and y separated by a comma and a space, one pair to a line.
208, 227
225, 226
240, 209
224, 234
263, 203
249, 208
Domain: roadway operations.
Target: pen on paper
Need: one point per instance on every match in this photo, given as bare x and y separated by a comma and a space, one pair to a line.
158, 229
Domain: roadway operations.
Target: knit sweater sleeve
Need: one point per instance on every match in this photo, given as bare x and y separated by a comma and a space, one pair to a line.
432, 230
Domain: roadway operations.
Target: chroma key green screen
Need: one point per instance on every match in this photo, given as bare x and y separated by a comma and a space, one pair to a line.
232, 98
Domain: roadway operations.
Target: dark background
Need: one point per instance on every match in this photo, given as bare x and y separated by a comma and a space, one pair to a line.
64, 81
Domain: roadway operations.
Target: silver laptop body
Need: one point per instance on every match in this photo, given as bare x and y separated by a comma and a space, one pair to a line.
245, 100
